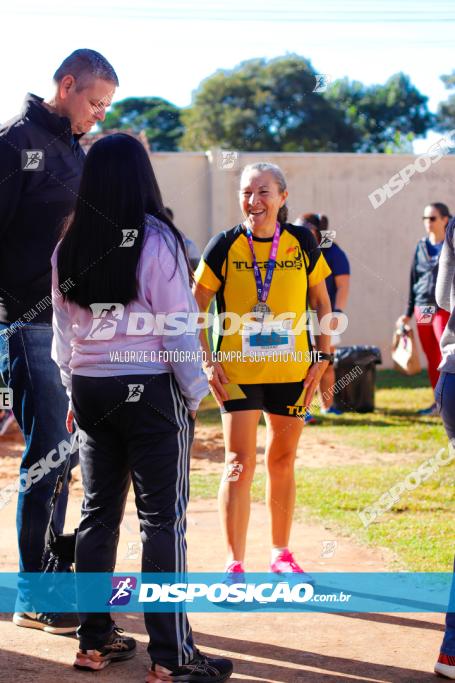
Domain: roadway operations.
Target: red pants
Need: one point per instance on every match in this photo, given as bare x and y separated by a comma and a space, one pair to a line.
430, 335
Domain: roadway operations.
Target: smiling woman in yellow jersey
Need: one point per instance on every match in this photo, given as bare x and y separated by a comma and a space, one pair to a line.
264, 267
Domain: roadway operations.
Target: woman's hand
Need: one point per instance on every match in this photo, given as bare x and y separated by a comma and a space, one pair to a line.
192, 414
69, 421
216, 378
319, 302
403, 320
312, 380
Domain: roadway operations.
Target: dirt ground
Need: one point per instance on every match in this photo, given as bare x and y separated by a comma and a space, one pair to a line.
265, 648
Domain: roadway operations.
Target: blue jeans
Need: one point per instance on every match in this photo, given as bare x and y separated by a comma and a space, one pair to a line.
40, 405
445, 400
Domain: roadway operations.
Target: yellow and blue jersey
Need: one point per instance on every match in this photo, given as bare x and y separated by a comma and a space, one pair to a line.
226, 268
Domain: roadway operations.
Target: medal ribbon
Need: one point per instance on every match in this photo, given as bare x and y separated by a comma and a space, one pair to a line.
263, 289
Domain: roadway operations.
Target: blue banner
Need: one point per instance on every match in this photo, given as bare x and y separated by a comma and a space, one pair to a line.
215, 592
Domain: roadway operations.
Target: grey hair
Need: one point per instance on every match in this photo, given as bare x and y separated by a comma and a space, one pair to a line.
278, 176
84, 65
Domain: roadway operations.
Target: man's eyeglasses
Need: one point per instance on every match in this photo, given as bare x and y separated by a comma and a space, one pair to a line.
429, 218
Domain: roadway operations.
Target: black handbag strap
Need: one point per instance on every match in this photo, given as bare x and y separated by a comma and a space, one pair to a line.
59, 484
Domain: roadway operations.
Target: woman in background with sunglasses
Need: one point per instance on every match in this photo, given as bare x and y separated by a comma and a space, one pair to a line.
431, 320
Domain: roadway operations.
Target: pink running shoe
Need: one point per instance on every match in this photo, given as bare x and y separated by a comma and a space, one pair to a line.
234, 573
235, 568
286, 564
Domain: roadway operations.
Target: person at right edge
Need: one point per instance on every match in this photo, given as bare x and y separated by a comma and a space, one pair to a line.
431, 320
445, 402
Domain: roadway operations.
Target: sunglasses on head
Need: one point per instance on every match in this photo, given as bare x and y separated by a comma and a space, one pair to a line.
429, 218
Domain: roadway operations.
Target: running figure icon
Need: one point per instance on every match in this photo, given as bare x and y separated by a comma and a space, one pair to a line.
129, 236
107, 320
122, 591
134, 392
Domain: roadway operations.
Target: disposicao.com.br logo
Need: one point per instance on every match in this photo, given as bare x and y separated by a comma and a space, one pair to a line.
236, 593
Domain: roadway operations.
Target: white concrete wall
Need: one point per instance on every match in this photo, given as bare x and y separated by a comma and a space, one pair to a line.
379, 242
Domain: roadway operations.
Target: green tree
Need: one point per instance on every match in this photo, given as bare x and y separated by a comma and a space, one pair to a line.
160, 120
386, 117
268, 106
446, 110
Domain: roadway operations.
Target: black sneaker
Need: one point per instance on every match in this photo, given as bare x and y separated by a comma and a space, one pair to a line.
58, 624
116, 649
201, 669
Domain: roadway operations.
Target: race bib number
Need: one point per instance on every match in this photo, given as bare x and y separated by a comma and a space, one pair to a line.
272, 338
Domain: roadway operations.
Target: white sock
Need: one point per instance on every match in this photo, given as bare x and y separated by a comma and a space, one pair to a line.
276, 552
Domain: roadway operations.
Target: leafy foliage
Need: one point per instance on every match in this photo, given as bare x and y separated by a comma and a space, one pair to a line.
446, 110
266, 105
160, 120
386, 117
274, 105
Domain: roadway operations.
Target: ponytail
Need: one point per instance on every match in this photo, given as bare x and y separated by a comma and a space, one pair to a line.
283, 215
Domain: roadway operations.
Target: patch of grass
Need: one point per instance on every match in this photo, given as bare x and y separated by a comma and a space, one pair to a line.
391, 379
395, 426
418, 528
386, 433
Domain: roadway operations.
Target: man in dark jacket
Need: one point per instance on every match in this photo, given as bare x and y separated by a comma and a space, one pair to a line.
40, 168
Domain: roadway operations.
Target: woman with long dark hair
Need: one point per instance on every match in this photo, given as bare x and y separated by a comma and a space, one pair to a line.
431, 320
120, 263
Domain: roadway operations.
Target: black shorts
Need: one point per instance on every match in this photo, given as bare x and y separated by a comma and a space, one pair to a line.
278, 399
